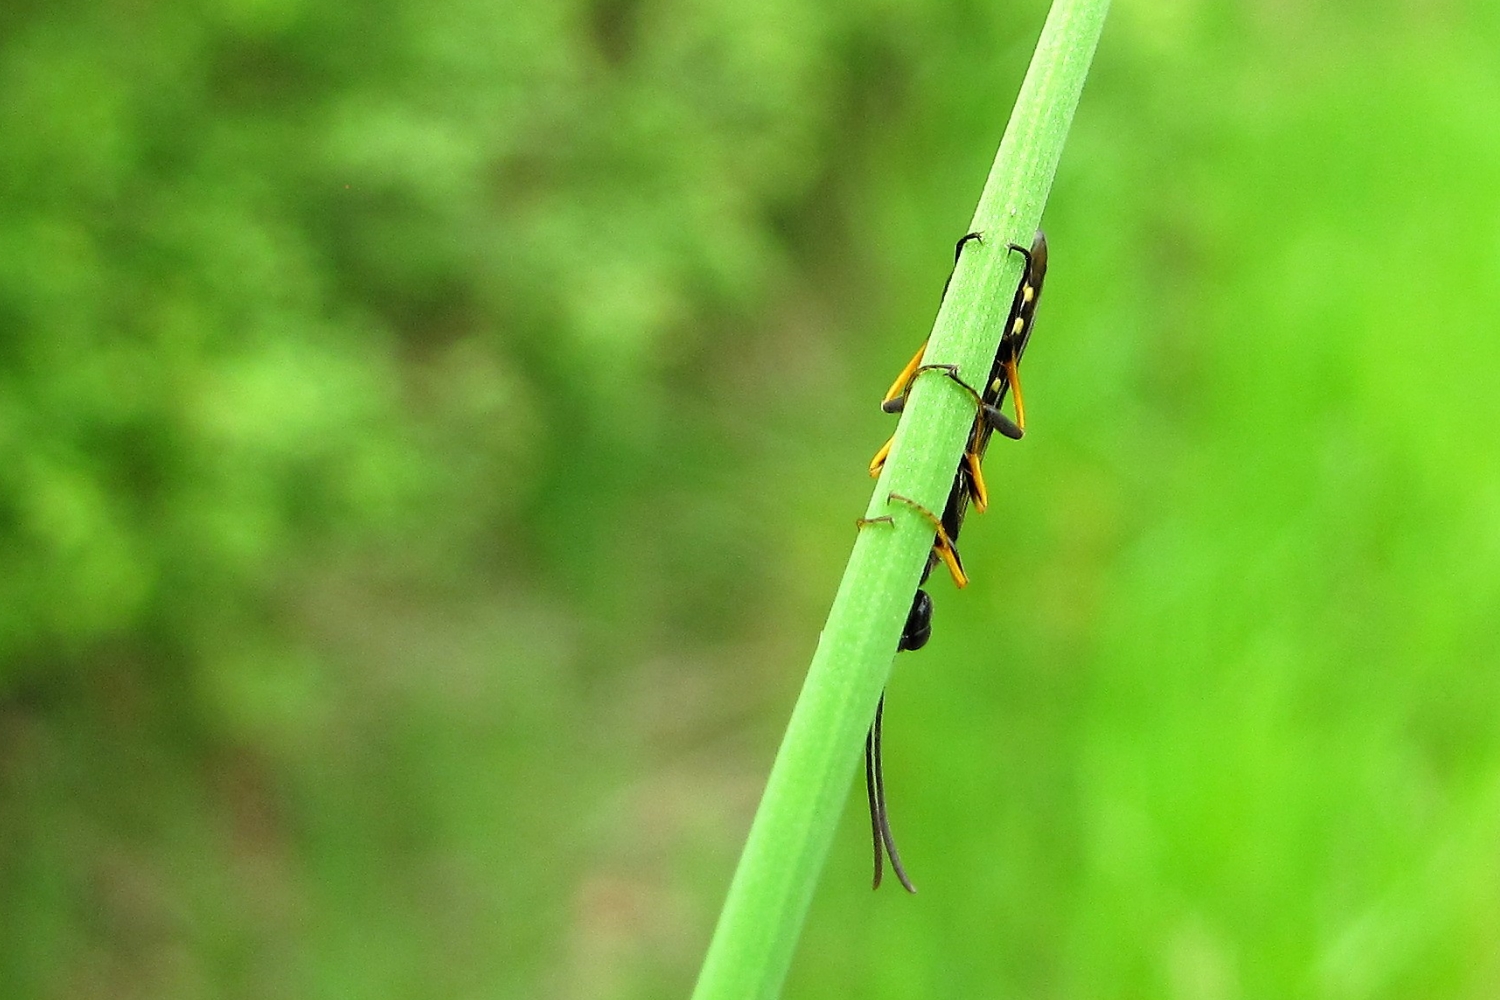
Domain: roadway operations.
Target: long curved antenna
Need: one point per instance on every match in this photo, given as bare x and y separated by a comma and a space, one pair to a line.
884, 824
875, 806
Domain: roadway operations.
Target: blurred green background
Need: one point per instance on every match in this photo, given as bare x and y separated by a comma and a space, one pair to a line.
431, 433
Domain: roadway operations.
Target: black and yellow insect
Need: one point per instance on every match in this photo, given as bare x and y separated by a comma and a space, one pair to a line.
968, 485
1005, 373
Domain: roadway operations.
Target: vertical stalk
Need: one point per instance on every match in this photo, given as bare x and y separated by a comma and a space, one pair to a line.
794, 826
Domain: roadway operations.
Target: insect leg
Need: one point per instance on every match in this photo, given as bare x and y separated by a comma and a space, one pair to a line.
992, 418
1013, 375
942, 545
895, 396
958, 250
878, 462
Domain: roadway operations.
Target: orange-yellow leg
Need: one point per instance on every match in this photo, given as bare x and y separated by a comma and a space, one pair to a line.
895, 396
942, 545
1013, 374
949, 555
898, 395
878, 462
980, 496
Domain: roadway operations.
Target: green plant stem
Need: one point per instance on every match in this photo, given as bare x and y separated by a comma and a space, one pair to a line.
810, 781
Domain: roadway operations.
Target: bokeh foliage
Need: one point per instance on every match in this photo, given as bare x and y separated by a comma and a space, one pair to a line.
430, 434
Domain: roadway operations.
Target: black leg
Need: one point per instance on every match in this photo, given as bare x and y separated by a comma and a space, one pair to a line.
958, 250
